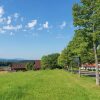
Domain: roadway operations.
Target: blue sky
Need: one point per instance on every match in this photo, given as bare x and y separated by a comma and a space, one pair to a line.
30, 29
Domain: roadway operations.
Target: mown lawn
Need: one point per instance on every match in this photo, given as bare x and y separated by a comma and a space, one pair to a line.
47, 85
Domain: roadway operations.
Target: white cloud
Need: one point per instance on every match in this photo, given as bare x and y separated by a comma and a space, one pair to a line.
5, 22
32, 24
2, 20
1, 11
16, 15
63, 25
46, 25
11, 27
9, 20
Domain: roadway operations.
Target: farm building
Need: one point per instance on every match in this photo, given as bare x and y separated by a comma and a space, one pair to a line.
89, 66
18, 66
37, 64
22, 65
5, 68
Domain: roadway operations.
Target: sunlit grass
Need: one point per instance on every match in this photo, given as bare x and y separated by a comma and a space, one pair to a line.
47, 85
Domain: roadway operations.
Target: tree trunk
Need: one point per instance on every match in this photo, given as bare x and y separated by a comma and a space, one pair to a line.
96, 63
79, 71
79, 65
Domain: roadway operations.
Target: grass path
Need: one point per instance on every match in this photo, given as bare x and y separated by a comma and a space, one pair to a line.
47, 85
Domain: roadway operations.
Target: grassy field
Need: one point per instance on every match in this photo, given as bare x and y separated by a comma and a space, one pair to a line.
47, 85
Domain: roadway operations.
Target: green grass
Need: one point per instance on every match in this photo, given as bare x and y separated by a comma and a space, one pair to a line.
47, 85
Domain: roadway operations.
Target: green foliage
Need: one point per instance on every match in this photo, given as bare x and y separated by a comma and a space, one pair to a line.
50, 61
63, 59
98, 55
30, 66
45, 62
87, 16
87, 22
79, 46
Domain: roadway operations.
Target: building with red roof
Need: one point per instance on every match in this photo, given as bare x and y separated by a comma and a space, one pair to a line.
22, 65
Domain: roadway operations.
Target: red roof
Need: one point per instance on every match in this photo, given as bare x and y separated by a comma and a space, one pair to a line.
22, 66
37, 64
18, 66
90, 65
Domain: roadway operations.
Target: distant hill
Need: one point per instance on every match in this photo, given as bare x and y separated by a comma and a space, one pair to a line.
15, 60
10, 60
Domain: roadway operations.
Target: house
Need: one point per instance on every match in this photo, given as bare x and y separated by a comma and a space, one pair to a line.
18, 66
37, 64
22, 65
89, 66
5, 68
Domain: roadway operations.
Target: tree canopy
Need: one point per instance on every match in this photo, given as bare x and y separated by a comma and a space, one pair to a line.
86, 40
50, 61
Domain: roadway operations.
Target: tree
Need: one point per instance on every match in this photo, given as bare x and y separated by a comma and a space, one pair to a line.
30, 66
50, 61
87, 20
44, 62
83, 47
63, 59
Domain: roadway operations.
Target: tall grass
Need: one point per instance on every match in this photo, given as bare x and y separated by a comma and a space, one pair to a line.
47, 85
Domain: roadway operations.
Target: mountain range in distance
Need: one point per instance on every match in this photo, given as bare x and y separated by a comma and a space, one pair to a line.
11, 60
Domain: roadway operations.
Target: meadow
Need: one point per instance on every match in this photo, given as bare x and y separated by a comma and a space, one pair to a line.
47, 85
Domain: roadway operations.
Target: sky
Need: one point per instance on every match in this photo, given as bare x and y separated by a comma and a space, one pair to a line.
30, 29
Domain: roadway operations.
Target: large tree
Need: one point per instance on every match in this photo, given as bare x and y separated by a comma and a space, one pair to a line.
80, 46
87, 20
